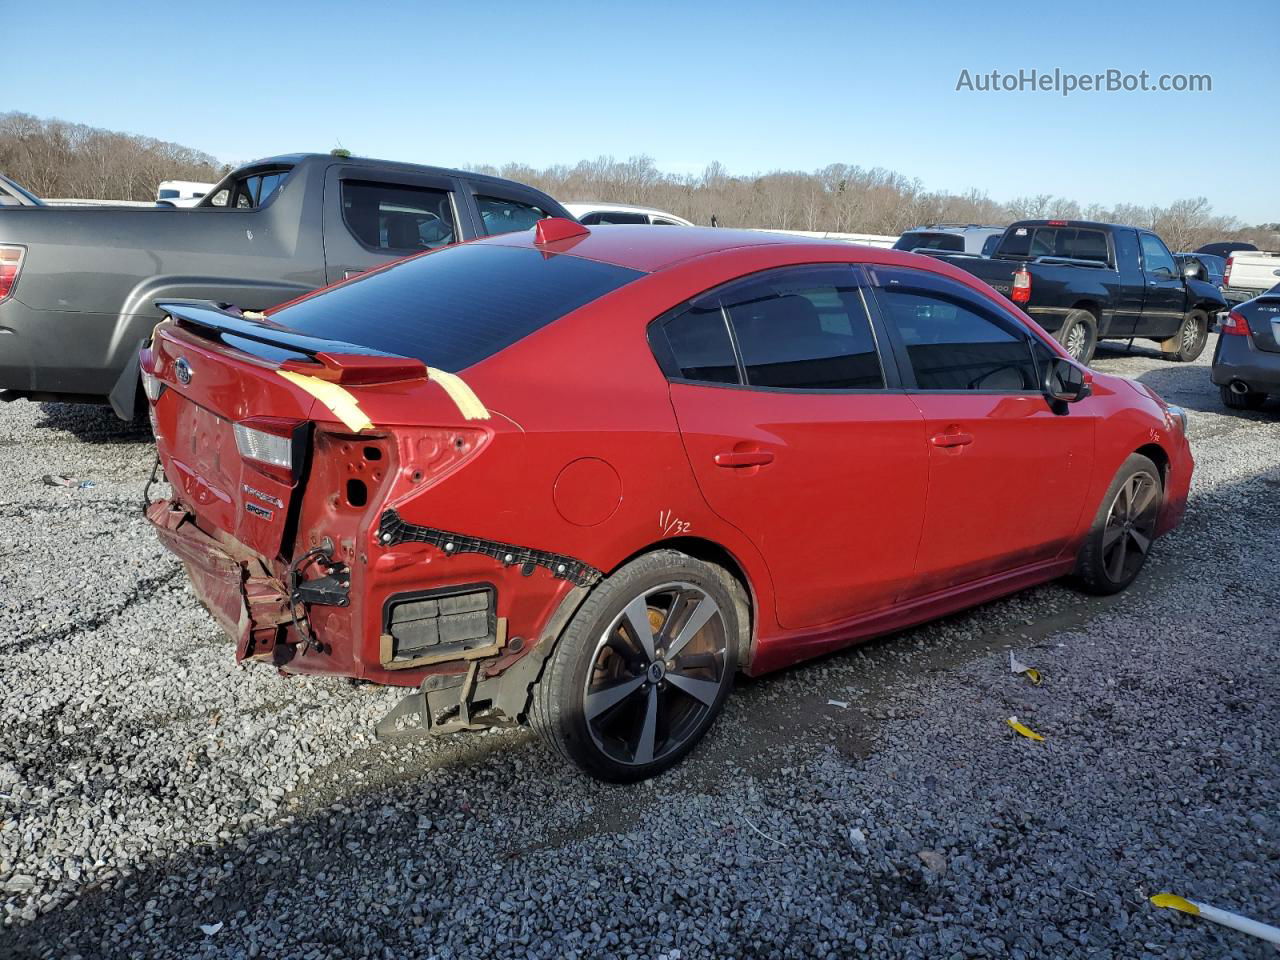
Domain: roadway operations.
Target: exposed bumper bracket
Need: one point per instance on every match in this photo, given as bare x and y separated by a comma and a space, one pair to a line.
415, 714
392, 530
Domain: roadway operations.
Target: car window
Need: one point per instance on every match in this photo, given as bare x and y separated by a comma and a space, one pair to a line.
804, 329
954, 344
221, 198
613, 216
699, 341
508, 216
457, 306
255, 190
920, 240
663, 222
1155, 256
394, 217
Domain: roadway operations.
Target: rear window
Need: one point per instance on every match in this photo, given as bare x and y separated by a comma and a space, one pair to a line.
919, 240
1066, 242
457, 306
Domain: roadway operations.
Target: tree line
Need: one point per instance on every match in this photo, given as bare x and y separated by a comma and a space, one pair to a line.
844, 198
53, 158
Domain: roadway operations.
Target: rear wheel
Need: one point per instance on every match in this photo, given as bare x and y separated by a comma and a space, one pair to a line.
642, 670
1249, 400
1124, 528
1079, 335
1188, 343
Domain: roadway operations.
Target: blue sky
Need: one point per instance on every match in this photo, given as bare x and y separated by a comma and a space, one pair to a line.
757, 86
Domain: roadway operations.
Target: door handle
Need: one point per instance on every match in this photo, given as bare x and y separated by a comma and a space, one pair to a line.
744, 458
952, 440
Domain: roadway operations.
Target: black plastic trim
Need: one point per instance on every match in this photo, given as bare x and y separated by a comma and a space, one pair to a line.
393, 530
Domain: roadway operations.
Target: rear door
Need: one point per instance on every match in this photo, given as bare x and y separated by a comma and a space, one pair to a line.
371, 217
1133, 284
1164, 304
798, 436
1007, 475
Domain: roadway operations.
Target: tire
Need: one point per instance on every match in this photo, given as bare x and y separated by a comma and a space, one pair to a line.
1079, 335
1188, 343
1249, 400
643, 720
1125, 522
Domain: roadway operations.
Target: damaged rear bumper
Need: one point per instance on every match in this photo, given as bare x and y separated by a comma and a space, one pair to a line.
240, 593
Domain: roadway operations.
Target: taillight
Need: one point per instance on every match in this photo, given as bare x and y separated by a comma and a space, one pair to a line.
1235, 325
1226, 274
272, 445
152, 385
1021, 292
10, 267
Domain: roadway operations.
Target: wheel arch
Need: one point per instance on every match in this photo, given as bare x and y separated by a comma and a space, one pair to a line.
740, 583
1089, 306
1157, 455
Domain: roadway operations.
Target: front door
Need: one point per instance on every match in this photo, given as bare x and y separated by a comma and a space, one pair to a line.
797, 438
1007, 474
1164, 305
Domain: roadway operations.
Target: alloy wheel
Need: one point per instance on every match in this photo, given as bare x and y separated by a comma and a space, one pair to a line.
1193, 337
1131, 526
1077, 338
657, 672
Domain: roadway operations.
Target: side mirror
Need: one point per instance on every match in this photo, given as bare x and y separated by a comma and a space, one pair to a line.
1064, 382
1191, 270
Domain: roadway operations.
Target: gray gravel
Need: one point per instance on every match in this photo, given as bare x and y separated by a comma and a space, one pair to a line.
148, 786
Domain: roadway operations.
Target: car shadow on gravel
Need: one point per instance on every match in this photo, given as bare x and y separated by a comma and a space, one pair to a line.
92, 423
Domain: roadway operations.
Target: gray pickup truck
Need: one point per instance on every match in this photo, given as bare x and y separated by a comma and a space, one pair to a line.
78, 285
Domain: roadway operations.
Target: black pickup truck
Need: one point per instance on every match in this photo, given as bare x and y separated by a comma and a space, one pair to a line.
78, 285
1084, 282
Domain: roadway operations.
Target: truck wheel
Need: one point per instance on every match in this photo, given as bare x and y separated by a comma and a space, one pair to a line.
1123, 529
1079, 335
1188, 343
642, 669
1249, 400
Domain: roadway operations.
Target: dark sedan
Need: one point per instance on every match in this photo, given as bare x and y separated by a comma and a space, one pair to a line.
1246, 362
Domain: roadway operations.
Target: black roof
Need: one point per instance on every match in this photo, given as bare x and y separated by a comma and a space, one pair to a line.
1062, 222
295, 159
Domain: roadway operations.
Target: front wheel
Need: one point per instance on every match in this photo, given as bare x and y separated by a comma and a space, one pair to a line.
1079, 335
642, 670
1123, 529
1188, 343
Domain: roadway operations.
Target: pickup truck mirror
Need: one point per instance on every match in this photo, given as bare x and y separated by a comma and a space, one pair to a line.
1064, 382
1191, 270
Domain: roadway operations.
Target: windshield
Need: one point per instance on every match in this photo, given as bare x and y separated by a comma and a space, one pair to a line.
456, 306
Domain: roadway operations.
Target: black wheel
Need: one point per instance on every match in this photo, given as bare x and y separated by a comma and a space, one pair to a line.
642, 669
1188, 343
1079, 335
1249, 400
1123, 530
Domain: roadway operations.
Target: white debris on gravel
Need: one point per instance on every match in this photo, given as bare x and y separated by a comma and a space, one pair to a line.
150, 790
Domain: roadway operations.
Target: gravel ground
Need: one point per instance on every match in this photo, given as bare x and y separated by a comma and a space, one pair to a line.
158, 801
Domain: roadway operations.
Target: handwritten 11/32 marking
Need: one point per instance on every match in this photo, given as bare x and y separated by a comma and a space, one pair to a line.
668, 523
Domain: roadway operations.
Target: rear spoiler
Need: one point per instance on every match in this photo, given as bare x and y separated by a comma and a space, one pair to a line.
334, 360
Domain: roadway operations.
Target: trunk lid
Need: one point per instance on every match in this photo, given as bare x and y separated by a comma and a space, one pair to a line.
1263, 315
240, 403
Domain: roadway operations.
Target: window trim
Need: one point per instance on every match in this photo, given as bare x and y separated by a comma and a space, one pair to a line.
655, 333
400, 184
903, 359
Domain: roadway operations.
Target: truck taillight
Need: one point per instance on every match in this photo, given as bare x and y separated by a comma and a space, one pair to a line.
1021, 292
1226, 273
10, 267
272, 445
1235, 325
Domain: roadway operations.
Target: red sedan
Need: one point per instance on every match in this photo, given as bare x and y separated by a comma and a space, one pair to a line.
580, 478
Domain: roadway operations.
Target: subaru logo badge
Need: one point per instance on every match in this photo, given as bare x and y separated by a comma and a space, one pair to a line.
182, 370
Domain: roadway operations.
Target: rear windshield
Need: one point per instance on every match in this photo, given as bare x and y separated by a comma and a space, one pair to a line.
919, 240
1068, 242
457, 306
